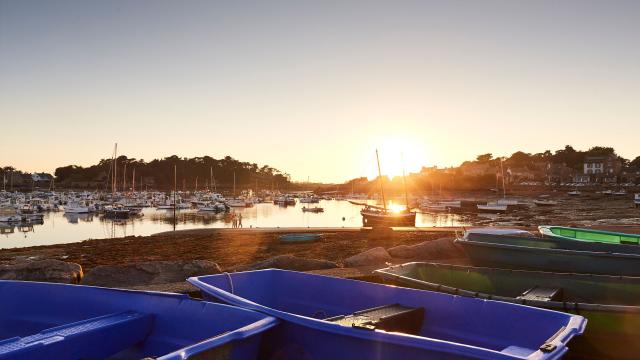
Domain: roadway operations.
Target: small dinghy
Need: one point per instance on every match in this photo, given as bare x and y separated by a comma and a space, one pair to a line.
303, 237
611, 304
545, 202
58, 321
332, 318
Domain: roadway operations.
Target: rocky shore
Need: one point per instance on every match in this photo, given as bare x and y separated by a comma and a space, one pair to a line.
163, 261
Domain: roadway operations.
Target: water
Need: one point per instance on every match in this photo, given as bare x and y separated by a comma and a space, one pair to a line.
59, 228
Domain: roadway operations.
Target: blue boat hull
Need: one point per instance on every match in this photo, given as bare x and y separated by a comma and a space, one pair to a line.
506, 255
454, 327
57, 321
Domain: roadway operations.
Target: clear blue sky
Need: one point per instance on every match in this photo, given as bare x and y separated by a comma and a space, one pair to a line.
313, 87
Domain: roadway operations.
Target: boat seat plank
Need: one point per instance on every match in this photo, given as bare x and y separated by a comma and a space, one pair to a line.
539, 293
112, 332
395, 317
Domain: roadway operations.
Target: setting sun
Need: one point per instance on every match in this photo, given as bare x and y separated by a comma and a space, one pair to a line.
396, 154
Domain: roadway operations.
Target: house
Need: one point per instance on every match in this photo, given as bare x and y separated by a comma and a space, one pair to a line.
478, 168
630, 174
560, 173
602, 168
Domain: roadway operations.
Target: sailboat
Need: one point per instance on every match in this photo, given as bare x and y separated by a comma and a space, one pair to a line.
376, 216
497, 207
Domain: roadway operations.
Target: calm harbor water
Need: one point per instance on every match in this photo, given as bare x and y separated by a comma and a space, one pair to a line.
59, 228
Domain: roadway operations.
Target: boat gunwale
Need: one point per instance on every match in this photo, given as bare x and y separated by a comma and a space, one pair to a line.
560, 305
548, 250
261, 322
546, 231
574, 327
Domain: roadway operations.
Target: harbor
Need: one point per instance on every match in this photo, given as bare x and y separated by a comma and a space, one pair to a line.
319, 180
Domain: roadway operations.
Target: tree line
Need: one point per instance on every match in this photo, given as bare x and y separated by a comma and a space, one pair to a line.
203, 172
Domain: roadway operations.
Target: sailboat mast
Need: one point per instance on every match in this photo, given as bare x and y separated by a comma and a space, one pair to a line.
404, 182
175, 190
384, 201
115, 169
124, 178
504, 190
133, 181
234, 184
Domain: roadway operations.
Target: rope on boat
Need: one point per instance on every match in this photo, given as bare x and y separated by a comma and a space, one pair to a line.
230, 282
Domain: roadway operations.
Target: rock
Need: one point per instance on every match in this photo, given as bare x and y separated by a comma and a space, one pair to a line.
375, 256
146, 273
289, 262
49, 270
435, 249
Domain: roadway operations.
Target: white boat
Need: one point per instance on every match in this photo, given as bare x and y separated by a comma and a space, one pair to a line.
621, 192
10, 218
574, 193
237, 203
545, 202
217, 207
636, 200
492, 208
76, 208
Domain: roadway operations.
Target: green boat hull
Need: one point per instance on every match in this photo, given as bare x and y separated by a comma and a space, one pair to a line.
589, 235
611, 304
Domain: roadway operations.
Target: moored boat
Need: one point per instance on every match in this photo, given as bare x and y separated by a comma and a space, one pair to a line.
81, 322
492, 208
525, 251
545, 202
332, 318
611, 304
315, 209
375, 216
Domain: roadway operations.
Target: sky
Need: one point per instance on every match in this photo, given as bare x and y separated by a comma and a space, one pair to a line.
313, 88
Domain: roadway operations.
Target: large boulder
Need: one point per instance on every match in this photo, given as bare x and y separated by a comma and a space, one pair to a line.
443, 248
375, 256
289, 262
49, 270
146, 273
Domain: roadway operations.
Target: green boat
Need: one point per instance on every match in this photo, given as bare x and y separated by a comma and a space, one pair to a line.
599, 236
611, 304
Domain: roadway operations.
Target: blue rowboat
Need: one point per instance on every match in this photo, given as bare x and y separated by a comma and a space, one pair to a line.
57, 321
332, 318
526, 251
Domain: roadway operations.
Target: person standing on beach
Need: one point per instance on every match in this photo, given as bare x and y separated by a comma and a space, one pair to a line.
240, 220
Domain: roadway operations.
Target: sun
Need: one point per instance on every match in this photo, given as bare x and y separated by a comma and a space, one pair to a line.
396, 154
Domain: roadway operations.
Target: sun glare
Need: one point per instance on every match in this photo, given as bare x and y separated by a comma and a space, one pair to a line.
396, 154
396, 208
